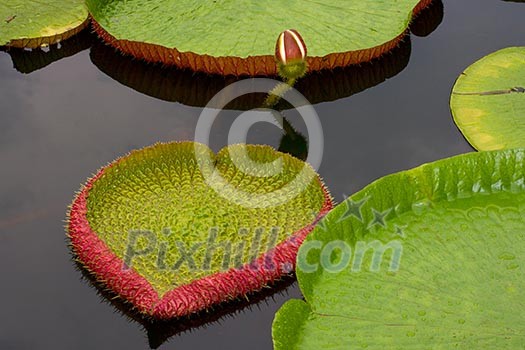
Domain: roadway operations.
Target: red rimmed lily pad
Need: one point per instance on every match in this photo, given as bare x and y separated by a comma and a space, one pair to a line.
238, 37
144, 224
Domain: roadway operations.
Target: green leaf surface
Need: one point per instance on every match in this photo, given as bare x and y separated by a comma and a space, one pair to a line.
488, 101
242, 28
444, 268
30, 19
164, 190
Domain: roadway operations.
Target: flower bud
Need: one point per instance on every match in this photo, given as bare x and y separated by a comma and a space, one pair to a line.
290, 54
290, 47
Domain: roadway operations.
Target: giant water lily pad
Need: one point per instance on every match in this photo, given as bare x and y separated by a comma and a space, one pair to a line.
488, 101
430, 258
238, 36
174, 229
31, 24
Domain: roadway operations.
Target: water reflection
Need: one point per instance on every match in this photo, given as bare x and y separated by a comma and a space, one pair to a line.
428, 20
293, 142
28, 61
158, 331
196, 89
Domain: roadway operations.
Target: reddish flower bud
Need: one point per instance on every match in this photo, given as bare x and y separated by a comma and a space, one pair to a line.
290, 47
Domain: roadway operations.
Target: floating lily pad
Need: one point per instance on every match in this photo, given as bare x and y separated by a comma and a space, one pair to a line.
430, 258
175, 229
238, 36
488, 101
31, 24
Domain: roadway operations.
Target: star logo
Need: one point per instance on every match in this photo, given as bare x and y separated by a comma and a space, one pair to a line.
379, 218
353, 208
400, 231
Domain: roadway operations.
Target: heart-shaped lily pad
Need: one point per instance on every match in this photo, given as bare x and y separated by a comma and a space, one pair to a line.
430, 258
31, 24
488, 101
175, 229
238, 36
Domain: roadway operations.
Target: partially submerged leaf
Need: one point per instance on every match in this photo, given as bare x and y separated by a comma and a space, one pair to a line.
488, 101
31, 24
238, 36
175, 229
430, 258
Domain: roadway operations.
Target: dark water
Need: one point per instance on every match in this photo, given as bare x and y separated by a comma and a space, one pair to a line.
60, 123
